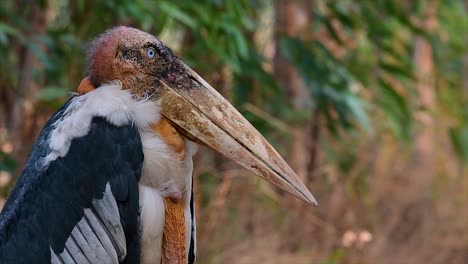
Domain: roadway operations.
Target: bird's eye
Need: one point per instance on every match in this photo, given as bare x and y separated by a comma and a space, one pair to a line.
150, 52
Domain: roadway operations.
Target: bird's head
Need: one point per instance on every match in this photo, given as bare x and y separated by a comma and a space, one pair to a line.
149, 69
129, 55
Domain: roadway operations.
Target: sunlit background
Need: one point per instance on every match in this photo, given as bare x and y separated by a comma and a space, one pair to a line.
367, 100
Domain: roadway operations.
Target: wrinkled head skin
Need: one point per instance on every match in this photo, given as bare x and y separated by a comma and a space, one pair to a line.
134, 57
149, 69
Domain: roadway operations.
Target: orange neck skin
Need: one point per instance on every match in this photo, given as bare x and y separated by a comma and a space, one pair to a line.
174, 237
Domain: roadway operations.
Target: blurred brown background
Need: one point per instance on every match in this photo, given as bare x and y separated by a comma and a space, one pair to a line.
367, 100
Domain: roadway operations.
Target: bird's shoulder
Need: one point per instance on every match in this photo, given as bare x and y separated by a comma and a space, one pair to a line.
71, 165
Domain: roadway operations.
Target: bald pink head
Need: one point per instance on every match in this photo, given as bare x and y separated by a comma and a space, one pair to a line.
101, 55
104, 64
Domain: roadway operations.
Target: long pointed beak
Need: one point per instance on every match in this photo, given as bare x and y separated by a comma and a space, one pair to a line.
203, 115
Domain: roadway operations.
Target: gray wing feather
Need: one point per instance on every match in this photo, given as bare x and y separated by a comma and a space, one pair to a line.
75, 252
107, 212
98, 237
83, 245
98, 252
65, 257
54, 258
102, 235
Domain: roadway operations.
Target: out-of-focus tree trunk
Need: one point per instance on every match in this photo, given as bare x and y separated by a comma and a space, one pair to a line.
419, 173
424, 145
23, 121
465, 62
292, 18
6, 101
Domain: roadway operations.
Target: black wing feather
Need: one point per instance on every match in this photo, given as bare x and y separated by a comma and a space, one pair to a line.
47, 202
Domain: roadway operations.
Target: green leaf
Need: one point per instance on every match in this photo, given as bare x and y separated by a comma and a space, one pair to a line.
343, 14
332, 31
7, 162
459, 138
396, 108
7, 29
356, 106
51, 93
397, 70
175, 12
241, 42
39, 54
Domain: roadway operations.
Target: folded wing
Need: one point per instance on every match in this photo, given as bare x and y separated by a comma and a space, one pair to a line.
78, 207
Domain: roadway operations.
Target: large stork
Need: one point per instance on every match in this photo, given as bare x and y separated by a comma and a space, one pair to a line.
109, 179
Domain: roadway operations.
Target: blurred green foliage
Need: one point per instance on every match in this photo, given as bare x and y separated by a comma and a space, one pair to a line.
450, 55
351, 91
356, 59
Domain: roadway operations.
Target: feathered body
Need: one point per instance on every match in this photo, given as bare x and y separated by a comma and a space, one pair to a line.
100, 143
109, 179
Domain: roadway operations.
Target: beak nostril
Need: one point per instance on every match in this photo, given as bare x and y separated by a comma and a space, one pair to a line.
171, 77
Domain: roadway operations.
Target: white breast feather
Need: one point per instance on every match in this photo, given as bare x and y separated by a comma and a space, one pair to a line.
163, 175
109, 101
152, 224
